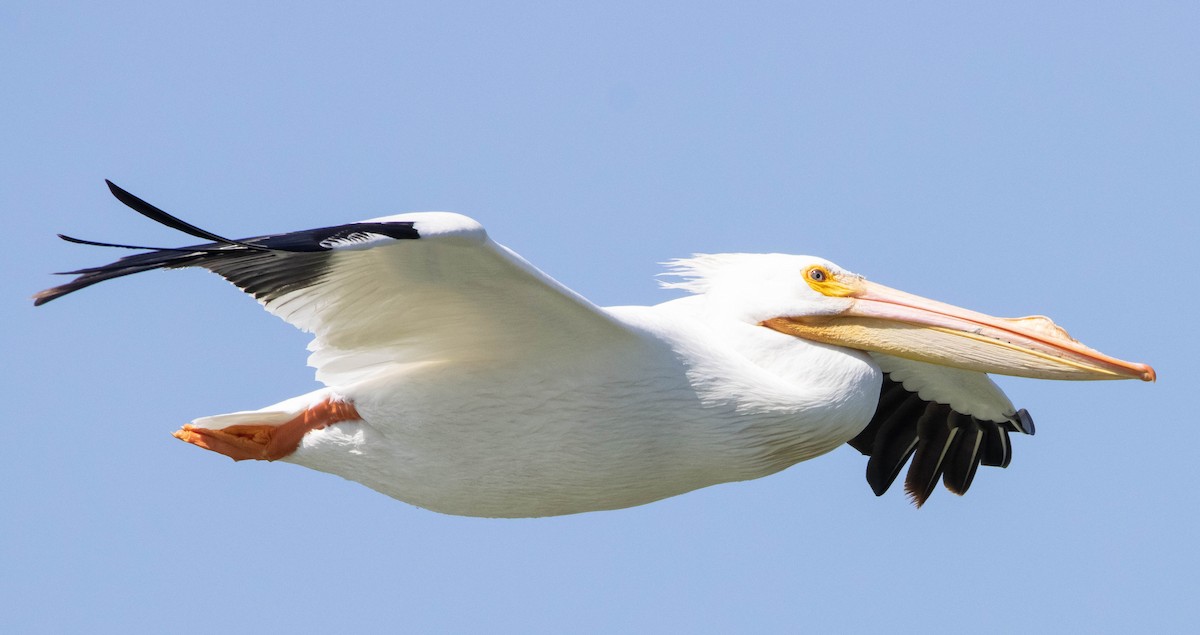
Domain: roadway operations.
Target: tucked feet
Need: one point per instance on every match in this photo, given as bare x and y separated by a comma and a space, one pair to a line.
268, 442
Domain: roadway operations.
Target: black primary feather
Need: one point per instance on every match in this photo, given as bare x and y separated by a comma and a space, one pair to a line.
962, 460
157, 215
894, 442
997, 447
934, 435
890, 397
266, 267
941, 442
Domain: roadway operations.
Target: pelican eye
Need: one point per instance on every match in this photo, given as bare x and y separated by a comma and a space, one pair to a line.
824, 282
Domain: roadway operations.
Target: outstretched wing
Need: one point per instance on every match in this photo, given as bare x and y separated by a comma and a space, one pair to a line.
409, 288
948, 421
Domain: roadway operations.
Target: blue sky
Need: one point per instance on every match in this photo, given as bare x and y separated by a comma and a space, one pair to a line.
1013, 158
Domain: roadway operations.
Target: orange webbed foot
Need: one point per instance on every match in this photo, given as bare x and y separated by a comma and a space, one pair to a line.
267, 442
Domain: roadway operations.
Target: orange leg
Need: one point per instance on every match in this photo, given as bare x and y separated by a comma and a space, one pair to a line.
268, 442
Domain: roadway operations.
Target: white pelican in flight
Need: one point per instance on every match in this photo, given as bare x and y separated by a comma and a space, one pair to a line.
462, 379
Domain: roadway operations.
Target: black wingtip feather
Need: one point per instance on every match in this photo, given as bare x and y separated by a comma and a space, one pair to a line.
95, 243
996, 450
962, 459
42, 297
935, 433
892, 395
894, 443
1026, 422
949, 446
264, 266
157, 215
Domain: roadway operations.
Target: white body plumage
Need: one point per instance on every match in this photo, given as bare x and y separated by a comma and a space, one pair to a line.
682, 409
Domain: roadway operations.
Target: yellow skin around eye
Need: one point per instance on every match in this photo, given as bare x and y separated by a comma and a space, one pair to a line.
829, 285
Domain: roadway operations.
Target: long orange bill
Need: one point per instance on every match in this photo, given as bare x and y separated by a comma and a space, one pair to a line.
890, 321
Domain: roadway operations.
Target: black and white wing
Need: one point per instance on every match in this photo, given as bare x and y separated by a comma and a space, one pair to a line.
409, 288
948, 421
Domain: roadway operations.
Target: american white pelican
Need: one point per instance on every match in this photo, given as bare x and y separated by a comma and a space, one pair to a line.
462, 379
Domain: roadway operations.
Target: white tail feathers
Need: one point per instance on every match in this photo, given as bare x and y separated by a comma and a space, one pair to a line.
279, 413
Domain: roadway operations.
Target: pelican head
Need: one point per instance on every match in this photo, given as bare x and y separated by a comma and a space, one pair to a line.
815, 299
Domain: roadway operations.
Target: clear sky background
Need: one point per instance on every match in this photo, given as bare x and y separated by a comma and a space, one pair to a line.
1014, 158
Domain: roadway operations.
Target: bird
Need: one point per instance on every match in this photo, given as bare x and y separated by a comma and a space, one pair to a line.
460, 378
